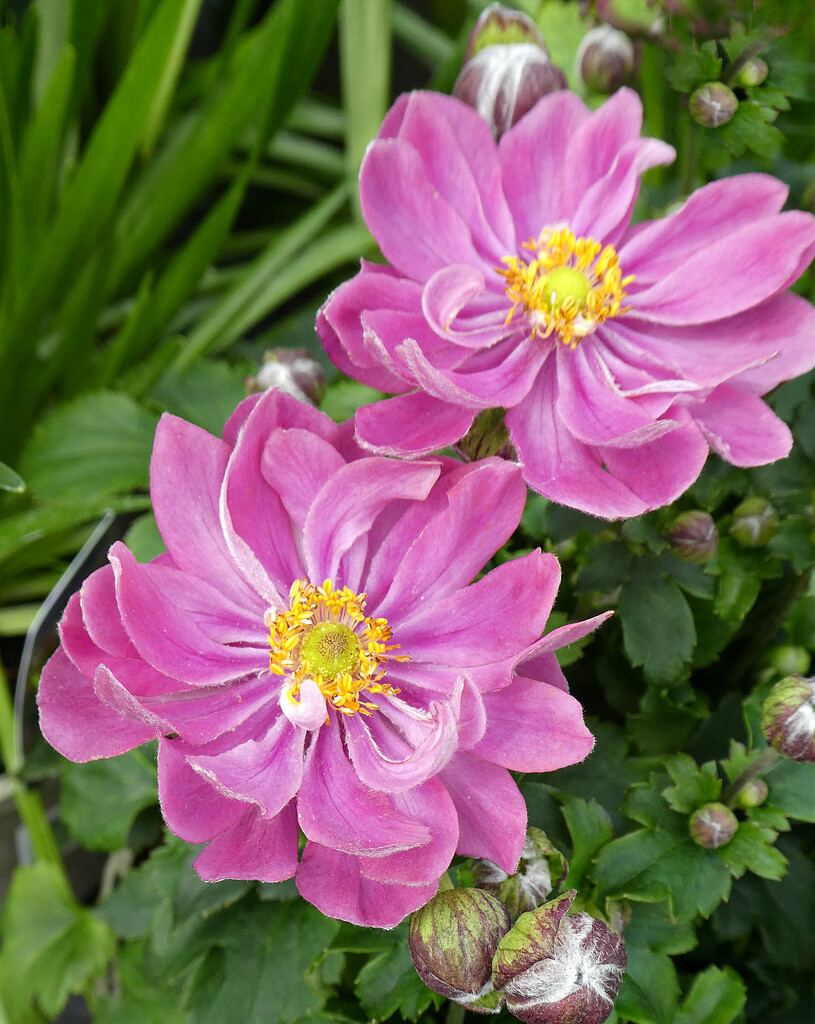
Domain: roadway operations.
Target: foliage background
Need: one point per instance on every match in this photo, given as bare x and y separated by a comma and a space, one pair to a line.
177, 195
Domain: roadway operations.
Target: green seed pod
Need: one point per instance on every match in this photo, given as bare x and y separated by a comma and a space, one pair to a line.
754, 522
752, 794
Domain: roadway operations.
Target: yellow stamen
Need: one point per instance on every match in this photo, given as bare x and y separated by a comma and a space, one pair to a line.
326, 636
568, 287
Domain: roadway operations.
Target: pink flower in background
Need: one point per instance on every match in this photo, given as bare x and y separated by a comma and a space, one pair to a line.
621, 353
313, 656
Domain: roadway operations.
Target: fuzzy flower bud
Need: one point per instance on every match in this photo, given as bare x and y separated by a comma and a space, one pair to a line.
453, 940
713, 104
712, 826
292, 370
752, 794
693, 537
754, 72
605, 60
788, 718
754, 522
506, 68
541, 867
553, 968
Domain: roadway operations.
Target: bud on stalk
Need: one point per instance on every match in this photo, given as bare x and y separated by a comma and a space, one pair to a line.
553, 967
507, 68
541, 867
754, 522
713, 105
605, 60
712, 826
453, 939
293, 370
693, 537
788, 718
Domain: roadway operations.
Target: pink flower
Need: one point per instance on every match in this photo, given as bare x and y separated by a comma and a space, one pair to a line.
516, 281
311, 656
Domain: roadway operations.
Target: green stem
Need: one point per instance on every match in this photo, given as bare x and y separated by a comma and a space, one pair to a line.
455, 1013
29, 806
652, 87
762, 763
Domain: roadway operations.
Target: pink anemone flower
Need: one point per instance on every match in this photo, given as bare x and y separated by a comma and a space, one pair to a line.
312, 655
620, 353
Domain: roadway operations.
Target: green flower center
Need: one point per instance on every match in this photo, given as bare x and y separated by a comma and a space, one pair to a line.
330, 648
566, 283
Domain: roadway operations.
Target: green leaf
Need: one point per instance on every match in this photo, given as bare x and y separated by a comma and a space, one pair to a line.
750, 849
101, 799
749, 130
658, 628
794, 540
52, 947
650, 990
144, 540
715, 997
142, 997
10, 481
652, 927
206, 394
792, 789
590, 828
344, 397
693, 786
244, 977
389, 982
96, 445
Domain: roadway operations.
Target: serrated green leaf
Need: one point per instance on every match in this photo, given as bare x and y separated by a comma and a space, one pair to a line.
693, 786
794, 540
749, 130
100, 799
658, 628
389, 982
749, 849
95, 445
649, 993
652, 927
715, 997
52, 947
792, 789
590, 828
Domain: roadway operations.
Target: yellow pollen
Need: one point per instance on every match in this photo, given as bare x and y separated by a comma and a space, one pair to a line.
567, 287
326, 636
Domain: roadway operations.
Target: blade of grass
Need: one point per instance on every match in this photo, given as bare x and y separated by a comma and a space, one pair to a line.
215, 327
365, 64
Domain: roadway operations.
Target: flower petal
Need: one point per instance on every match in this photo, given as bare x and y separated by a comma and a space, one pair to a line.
254, 847
192, 807
337, 810
75, 722
297, 463
741, 428
491, 810
532, 727
331, 880
411, 425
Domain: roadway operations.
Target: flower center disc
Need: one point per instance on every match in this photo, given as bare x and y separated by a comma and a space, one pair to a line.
568, 287
325, 636
330, 648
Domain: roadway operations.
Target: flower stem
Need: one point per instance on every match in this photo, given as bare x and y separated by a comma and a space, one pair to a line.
29, 805
455, 1013
762, 763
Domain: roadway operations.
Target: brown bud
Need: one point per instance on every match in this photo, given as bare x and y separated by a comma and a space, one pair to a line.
788, 718
499, 25
541, 867
754, 522
713, 825
693, 537
605, 60
293, 370
713, 105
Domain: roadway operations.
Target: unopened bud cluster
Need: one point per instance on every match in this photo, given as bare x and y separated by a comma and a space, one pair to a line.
549, 967
507, 68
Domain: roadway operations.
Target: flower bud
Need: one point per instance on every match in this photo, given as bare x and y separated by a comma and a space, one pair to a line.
552, 968
790, 660
541, 867
637, 17
503, 82
605, 60
499, 25
713, 104
453, 940
293, 370
754, 72
712, 826
788, 718
752, 794
693, 537
754, 522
